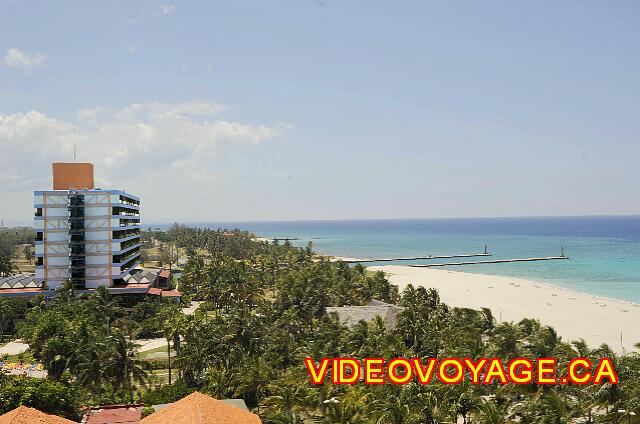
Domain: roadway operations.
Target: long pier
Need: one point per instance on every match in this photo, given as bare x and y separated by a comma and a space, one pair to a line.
471, 255
494, 261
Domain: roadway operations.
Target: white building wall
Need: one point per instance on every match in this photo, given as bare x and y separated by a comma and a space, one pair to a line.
98, 247
55, 199
51, 212
56, 236
115, 270
57, 261
98, 260
96, 211
56, 223
97, 235
57, 249
94, 284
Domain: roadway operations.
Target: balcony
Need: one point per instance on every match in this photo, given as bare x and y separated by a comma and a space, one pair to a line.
126, 244
124, 211
125, 258
123, 234
129, 201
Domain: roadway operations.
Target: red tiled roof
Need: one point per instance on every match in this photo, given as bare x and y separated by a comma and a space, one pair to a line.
23, 290
155, 291
26, 415
171, 293
198, 408
120, 414
165, 273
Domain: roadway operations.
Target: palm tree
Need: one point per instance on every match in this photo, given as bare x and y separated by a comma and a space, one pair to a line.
89, 365
172, 322
491, 412
6, 266
351, 408
467, 404
504, 341
286, 400
28, 252
105, 305
124, 367
6, 313
396, 405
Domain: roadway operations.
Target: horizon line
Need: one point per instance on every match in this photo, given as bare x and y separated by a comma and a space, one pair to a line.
394, 219
247, 221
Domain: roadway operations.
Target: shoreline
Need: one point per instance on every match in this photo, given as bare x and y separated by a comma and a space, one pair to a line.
573, 314
552, 285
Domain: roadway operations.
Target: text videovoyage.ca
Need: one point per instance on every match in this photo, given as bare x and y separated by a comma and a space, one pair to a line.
455, 370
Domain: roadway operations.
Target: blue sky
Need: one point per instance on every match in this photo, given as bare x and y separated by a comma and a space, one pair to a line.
218, 111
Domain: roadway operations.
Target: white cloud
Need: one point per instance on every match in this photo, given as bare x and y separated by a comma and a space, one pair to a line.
165, 9
144, 148
130, 48
26, 62
148, 111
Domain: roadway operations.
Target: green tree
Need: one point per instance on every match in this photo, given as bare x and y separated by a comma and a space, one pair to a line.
49, 396
27, 250
7, 312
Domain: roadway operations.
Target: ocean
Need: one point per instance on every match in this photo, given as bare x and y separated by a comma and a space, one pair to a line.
604, 251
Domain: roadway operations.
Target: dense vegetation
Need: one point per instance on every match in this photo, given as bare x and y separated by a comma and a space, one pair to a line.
264, 310
58, 397
10, 239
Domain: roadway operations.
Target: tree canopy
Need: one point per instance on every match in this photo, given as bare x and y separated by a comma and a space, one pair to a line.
264, 309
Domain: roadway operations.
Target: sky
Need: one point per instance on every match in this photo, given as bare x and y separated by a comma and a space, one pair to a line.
240, 110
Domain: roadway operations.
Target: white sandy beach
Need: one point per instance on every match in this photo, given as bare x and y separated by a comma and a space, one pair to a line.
574, 315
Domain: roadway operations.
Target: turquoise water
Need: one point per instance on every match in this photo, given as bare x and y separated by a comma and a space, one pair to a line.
604, 251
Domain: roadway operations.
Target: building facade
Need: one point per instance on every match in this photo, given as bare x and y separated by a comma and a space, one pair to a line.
88, 236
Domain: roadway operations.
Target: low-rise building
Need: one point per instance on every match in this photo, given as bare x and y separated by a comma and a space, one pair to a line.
351, 315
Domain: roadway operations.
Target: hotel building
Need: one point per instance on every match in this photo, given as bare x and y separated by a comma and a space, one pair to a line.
86, 235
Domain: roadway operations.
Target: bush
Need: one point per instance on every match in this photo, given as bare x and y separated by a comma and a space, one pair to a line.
51, 397
166, 394
146, 411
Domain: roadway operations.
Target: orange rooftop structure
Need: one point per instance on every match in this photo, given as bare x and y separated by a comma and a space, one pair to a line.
25, 415
72, 175
199, 408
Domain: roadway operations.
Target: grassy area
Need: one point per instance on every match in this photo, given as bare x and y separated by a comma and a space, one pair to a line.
25, 357
155, 354
161, 377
